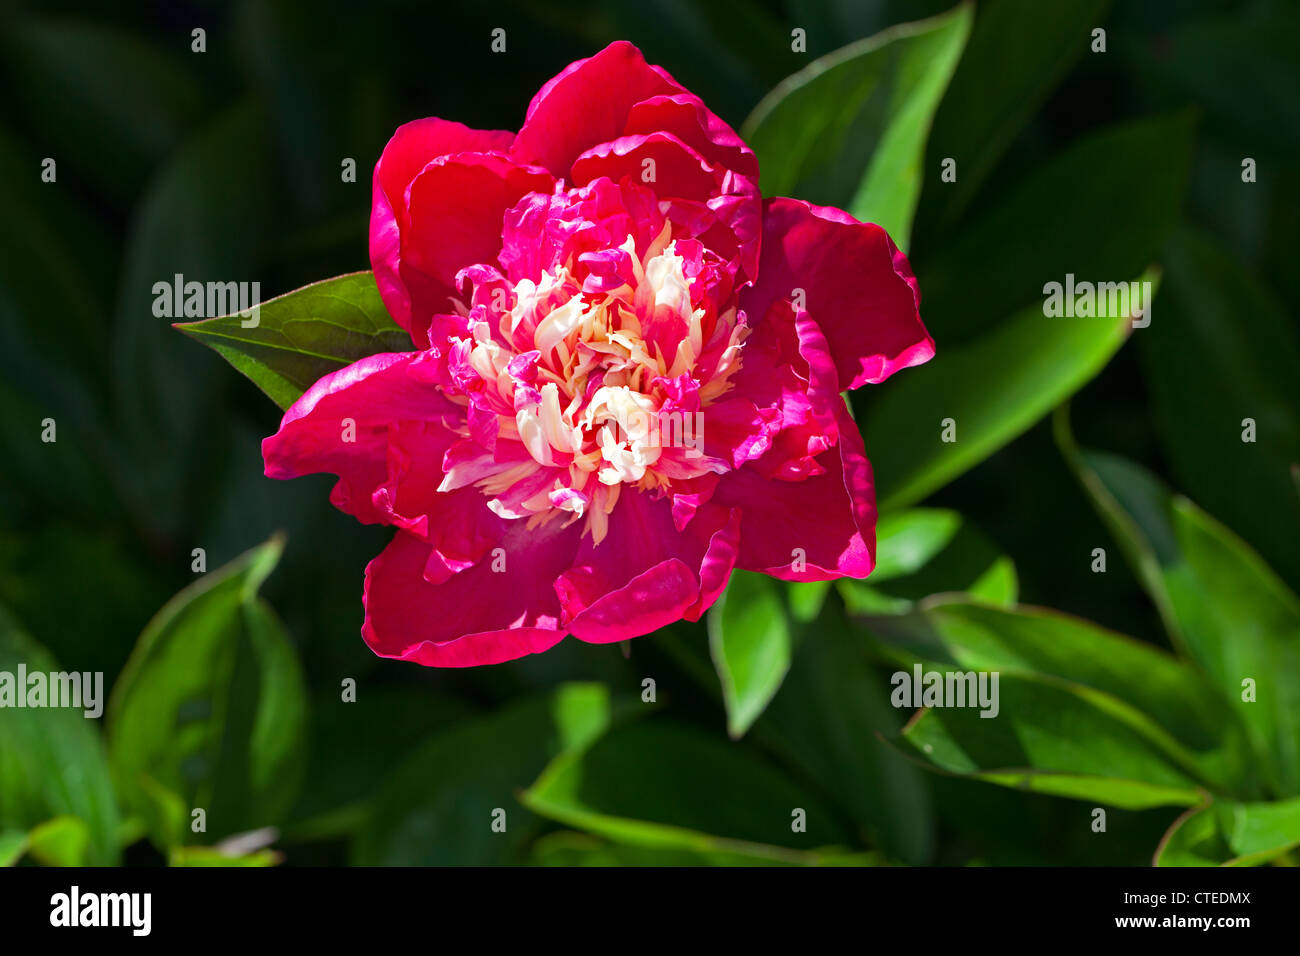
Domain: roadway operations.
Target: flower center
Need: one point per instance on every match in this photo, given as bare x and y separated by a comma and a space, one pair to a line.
600, 371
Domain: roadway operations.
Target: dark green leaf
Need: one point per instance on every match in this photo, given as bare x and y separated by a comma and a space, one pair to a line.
1224, 350
305, 334
849, 129
656, 784
440, 805
993, 95
1107, 203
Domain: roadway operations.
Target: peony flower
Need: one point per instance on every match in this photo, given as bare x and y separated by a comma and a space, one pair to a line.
625, 378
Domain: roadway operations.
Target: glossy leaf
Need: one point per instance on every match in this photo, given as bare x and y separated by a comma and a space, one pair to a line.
749, 637
654, 784
52, 761
992, 391
305, 334
1231, 834
1056, 738
849, 129
925, 551
1162, 698
1220, 602
210, 712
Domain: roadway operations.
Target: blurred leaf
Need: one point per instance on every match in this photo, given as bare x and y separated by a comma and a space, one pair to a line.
1231, 834
749, 637
1223, 350
305, 334
805, 599
204, 216
925, 551
993, 95
13, 844
1057, 738
1220, 602
825, 722
211, 708
438, 808
210, 856
63, 841
993, 390
1167, 701
52, 759
849, 129
660, 785
351, 754
85, 84
1113, 197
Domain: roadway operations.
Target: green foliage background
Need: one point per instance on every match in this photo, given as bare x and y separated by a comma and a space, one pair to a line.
1108, 165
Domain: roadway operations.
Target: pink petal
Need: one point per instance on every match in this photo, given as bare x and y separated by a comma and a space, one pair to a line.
411, 148
830, 517
587, 104
646, 574
456, 206
857, 286
370, 394
479, 616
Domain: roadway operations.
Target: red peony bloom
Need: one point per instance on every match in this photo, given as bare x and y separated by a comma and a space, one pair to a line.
625, 379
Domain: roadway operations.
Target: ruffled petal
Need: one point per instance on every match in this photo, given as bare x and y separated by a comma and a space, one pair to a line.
817, 529
645, 573
587, 104
854, 282
501, 608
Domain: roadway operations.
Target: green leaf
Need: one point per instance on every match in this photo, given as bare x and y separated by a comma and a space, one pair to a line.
654, 784
992, 390
440, 805
826, 722
305, 334
13, 844
63, 841
749, 637
925, 551
211, 856
849, 129
1224, 350
993, 95
1231, 834
210, 711
1111, 198
52, 759
1168, 702
348, 761
1053, 737
1220, 602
